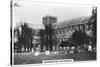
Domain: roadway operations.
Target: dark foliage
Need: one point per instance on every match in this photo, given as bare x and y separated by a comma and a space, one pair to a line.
24, 37
78, 38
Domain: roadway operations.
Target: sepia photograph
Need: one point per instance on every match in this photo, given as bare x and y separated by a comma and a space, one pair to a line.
47, 32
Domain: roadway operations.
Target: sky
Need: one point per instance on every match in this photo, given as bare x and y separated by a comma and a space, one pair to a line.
33, 12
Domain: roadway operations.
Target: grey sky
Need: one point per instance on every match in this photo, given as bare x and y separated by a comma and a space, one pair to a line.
33, 12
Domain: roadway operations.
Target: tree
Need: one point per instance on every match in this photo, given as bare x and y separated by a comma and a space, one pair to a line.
27, 37
93, 22
78, 38
42, 38
24, 35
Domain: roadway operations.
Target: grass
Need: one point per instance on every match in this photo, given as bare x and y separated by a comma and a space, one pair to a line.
29, 58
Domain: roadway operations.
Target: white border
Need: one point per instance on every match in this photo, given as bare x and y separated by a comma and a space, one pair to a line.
5, 32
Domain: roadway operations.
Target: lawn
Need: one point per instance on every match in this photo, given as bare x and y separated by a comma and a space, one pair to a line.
29, 58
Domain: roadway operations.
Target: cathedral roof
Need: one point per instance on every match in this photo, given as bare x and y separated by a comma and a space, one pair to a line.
75, 21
